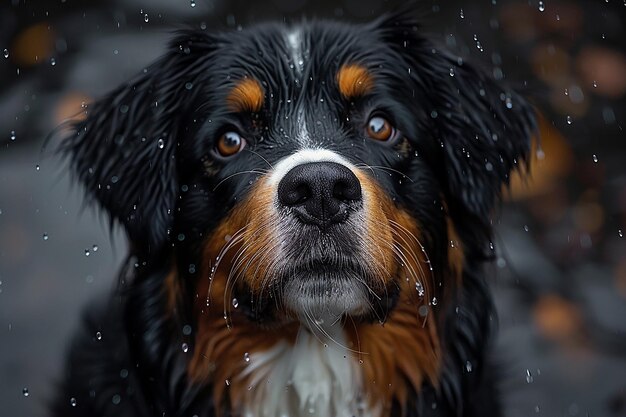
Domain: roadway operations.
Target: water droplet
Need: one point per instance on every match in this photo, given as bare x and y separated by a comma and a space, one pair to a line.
526, 228
620, 233
6, 53
146, 18
227, 382
595, 158
185, 347
529, 376
235, 303
73, 402
540, 154
45, 236
246, 357
98, 336
116, 399
468, 366
542, 6
87, 253
25, 392
569, 120
193, 3
420, 289
595, 84
53, 62
37, 167
94, 248
451, 72
12, 137
461, 14
160, 143
435, 301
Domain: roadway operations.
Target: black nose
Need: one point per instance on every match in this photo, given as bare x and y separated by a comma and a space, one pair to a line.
320, 193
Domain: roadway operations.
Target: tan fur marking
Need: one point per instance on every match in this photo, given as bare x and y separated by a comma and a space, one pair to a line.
246, 95
400, 354
354, 81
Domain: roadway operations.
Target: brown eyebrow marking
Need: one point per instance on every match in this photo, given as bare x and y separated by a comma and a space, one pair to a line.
354, 80
246, 95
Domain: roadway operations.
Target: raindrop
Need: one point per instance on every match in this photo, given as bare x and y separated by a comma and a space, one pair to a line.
246, 357
468, 366
620, 233
569, 120
227, 382
529, 376
146, 18
420, 289
542, 6
186, 330
595, 84
193, 3
45, 236
25, 392
12, 135
116, 399
461, 14
98, 336
73, 402
53, 62
185, 347
595, 158
451, 72
526, 228
160, 143
37, 167
87, 253
6, 53
94, 248
235, 303
434, 302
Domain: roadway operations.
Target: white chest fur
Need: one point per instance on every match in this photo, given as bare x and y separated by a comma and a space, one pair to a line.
310, 378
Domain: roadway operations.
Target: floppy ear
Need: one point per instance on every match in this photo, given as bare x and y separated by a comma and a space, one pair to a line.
124, 150
483, 128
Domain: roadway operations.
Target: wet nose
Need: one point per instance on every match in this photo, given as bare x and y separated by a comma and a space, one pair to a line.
320, 193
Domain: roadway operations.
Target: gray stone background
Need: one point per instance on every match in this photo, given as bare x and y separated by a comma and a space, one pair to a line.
560, 276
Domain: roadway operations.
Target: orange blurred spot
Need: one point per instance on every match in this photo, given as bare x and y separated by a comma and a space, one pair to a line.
550, 63
33, 45
558, 319
70, 106
550, 163
603, 68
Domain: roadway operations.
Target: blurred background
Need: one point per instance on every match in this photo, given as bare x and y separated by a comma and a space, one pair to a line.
560, 275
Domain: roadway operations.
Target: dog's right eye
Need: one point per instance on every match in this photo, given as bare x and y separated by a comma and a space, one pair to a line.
229, 144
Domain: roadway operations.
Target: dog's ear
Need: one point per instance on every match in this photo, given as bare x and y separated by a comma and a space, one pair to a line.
484, 129
124, 149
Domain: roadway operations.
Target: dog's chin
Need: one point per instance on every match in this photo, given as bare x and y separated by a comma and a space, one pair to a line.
319, 297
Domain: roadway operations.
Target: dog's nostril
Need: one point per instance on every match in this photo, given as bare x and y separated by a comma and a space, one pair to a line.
319, 192
347, 190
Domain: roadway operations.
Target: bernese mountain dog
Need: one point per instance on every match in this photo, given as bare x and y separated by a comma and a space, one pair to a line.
309, 209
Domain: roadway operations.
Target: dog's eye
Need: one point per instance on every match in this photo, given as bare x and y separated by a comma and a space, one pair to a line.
379, 128
230, 143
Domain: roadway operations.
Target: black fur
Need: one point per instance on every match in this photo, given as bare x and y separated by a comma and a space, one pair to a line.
145, 154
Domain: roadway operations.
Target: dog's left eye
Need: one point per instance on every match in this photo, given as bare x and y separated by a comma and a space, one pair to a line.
229, 144
379, 128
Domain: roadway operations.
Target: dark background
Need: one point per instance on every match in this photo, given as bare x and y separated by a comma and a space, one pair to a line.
560, 275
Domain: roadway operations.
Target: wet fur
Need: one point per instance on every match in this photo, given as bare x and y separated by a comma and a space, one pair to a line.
143, 153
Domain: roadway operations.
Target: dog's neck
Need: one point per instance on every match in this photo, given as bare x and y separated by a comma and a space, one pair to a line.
317, 375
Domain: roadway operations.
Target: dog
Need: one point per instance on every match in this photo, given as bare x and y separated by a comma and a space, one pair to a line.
309, 209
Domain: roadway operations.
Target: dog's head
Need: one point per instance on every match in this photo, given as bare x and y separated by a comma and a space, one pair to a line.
306, 173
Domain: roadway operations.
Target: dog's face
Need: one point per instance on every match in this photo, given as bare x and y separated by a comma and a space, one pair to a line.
307, 174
